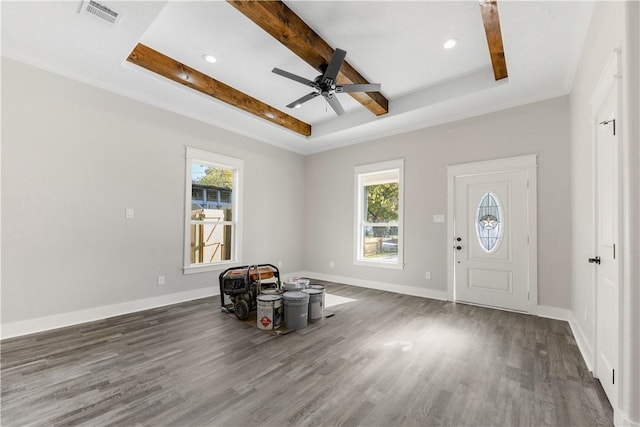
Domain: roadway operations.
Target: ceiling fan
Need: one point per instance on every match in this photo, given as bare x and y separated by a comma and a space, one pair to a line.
325, 84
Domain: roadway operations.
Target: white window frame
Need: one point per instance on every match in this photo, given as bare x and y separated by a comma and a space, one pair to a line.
224, 162
362, 175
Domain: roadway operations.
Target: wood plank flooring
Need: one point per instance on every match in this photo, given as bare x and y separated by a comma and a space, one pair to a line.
383, 360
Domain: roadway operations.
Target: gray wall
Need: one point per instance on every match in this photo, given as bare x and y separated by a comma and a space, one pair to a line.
541, 128
74, 157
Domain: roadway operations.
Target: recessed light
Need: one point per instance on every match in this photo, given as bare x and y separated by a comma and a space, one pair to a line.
450, 44
270, 114
209, 58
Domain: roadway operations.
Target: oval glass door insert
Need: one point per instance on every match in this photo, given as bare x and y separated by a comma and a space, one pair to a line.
489, 227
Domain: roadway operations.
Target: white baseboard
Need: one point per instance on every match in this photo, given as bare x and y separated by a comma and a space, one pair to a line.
30, 326
583, 342
382, 286
568, 316
553, 312
40, 324
620, 419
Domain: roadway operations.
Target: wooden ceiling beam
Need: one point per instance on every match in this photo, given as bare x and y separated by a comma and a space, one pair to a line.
165, 66
289, 29
491, 20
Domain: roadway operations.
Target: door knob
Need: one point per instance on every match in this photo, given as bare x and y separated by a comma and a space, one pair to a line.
595, 260
458, 247
458, 239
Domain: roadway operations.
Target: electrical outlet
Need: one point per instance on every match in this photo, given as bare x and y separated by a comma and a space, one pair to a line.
331, 264
427, 275
160, 280
128, 213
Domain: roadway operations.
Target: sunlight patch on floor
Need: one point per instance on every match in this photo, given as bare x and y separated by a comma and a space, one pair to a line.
331, 300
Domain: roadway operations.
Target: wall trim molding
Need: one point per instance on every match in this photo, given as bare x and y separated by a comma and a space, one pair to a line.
621, 419
40, 324
381, 286
578, 333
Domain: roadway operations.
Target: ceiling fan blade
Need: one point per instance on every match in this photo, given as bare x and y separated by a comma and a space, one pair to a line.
294, 77
335, 104
302, 100
333, 68
369, 87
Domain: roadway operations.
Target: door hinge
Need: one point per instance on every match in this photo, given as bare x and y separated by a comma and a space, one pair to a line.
612, 121
528, 296
614, 251
613, 376
527, 183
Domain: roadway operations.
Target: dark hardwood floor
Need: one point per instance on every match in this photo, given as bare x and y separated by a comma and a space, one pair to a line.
383, 360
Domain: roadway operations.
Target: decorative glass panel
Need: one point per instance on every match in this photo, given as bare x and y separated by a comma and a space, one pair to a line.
489, 227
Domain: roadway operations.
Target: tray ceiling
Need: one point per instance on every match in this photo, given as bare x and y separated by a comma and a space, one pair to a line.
397, 44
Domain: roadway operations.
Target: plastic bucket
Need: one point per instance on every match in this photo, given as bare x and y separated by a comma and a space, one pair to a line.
296, 309
316, 304
269, 312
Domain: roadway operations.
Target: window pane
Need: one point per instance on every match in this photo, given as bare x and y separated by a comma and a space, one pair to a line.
210, 242
381, 202
212, 197
489, 226
379, 214
380, 243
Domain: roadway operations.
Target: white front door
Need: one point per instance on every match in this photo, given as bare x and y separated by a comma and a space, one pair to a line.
607, 268
491, 237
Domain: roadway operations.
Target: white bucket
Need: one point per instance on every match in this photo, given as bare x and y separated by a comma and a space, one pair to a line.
269, 312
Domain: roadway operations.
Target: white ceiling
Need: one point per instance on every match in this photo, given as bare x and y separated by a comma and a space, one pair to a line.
395, 43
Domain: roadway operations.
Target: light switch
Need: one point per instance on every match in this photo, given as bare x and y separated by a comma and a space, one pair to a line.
128, 213
438, 218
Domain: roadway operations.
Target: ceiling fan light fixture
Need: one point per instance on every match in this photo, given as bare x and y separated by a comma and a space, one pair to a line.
209, 58
450, 44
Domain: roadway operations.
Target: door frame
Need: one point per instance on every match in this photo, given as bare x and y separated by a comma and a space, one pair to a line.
527, 163
610, 84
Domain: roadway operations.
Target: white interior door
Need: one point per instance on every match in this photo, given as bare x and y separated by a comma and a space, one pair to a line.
491, 239
606, 259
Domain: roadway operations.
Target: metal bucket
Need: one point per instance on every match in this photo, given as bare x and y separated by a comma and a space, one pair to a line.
316, 304
320, 287
303, 282
296, 309
292, 286
269, 314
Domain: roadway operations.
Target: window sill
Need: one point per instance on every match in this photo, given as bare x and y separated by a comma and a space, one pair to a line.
193, 269
380, 264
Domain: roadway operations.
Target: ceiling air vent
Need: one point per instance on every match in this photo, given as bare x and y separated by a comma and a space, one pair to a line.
100, 11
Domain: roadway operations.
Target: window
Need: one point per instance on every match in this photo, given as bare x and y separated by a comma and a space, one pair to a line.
379, 202
212, 210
